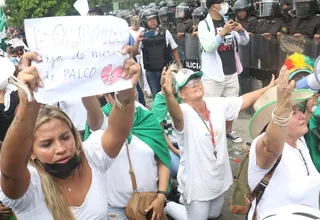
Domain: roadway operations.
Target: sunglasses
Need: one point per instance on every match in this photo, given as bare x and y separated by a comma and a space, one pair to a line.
193, 82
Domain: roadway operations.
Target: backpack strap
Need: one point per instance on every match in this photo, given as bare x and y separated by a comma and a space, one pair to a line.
205, 20
261, 187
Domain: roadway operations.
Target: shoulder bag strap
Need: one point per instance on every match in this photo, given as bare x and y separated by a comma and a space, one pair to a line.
132, 175
261, 187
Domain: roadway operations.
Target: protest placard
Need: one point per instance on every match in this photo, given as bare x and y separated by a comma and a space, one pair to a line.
81, 55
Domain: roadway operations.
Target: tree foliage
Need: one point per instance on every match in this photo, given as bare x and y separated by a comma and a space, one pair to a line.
18, 10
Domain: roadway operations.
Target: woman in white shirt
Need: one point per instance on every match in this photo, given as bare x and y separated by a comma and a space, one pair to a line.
149, 156
204, 173
295, 179
64, 177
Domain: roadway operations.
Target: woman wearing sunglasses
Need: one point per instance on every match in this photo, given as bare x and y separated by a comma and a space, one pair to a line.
204, 172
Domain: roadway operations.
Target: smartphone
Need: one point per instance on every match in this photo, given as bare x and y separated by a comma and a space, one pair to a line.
231, 16
149, 34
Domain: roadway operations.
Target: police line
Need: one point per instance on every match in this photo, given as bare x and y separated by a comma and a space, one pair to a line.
262, 56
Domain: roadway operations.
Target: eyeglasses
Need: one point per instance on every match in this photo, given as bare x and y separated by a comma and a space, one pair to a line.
193, 82
304, 161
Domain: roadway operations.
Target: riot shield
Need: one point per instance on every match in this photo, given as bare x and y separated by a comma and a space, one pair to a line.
243, 52
264, 57
305, 45
192, 52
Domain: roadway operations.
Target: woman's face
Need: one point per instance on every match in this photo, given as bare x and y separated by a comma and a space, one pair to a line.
298, 124
54, 142
193, 90
135, 26
299, 76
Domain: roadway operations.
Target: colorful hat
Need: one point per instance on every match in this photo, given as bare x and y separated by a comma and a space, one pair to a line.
297, 63
266, 103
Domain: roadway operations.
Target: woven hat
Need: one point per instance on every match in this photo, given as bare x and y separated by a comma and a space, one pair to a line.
298, 63
266, 103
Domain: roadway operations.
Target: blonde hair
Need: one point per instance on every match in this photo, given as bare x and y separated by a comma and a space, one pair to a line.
173, 68
55, 200
135, 20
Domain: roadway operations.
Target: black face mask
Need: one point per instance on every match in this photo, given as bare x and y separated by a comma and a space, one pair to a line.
62, 170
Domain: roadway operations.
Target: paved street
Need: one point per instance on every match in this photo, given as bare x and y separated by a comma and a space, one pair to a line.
235, 151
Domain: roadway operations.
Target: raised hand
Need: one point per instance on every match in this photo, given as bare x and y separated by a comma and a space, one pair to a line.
167, 82
130, 67
29, 75
284, 91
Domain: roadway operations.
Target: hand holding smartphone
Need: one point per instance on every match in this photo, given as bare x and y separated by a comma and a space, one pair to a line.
149, 34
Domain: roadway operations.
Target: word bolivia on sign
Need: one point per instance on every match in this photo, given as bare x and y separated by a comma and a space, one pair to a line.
81, 55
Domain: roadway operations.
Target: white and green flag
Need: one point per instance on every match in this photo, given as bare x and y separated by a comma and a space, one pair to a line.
3, 28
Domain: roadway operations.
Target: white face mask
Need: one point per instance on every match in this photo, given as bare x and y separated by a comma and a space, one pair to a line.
3, 85
224, 9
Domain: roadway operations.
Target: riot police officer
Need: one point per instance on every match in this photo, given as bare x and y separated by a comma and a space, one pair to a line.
306, 22
184, 25
172, 7
156, 45
165, 18
242, 9
192, 44
264, 59
198, 15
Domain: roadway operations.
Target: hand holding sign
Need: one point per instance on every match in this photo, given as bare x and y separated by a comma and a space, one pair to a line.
81, 56
131, 68
29, 76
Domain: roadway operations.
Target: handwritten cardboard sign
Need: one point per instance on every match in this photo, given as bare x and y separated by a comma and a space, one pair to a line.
81, 55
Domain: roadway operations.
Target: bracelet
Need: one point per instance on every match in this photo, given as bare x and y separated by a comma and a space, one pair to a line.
280, 121
119, 105
162, 192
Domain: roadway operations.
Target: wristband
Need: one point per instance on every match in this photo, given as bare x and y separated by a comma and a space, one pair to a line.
162, 192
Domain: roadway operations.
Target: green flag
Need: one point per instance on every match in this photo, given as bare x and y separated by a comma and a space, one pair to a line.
3, 28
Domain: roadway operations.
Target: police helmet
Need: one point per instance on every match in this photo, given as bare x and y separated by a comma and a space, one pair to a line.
148, 14
162, 4
268, 8
165, 15
184, 11
199, 14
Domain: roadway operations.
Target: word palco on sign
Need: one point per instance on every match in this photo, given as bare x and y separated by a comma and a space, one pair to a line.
81, 55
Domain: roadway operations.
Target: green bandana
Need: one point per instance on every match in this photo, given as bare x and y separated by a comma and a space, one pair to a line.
147, 129
313, 136
159, 106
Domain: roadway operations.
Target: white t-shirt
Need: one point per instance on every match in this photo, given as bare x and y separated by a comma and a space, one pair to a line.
135, 34
144, 165
289, 183
201, 176
32, 204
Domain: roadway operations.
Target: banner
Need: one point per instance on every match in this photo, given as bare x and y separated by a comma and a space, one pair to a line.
81, 55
